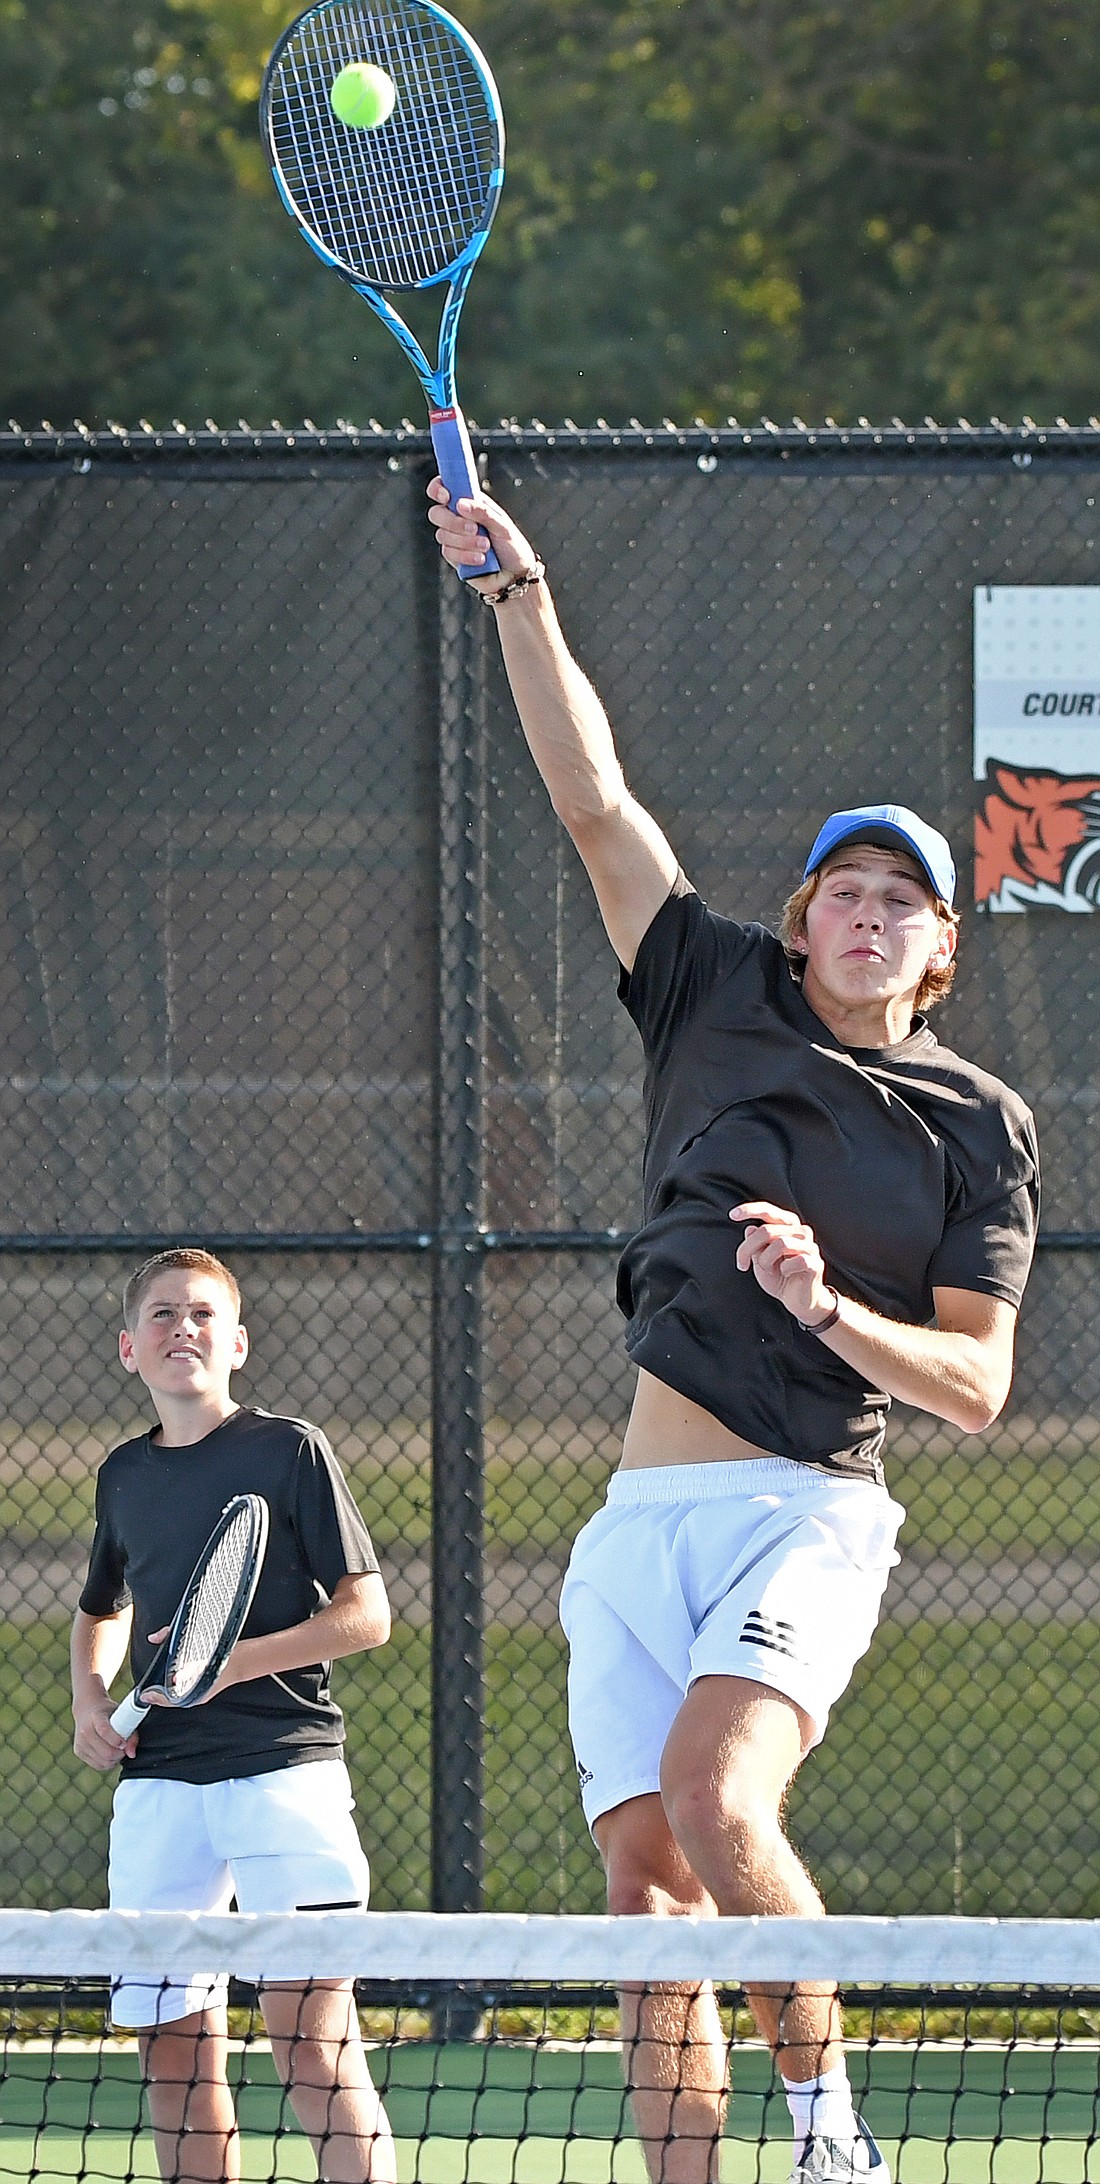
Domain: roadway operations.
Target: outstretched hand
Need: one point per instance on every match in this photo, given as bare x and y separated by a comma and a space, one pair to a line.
460, 530
782, 1252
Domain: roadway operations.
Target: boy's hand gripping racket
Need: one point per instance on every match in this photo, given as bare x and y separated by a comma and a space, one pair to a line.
406, 203
210, 1616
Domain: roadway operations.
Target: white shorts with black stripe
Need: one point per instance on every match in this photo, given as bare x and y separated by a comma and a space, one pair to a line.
764, 1569
284, 1841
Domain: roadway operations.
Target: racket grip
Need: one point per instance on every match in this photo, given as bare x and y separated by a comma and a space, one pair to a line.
128, 1717
458, 471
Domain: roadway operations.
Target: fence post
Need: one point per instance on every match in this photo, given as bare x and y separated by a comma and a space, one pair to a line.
458, 1272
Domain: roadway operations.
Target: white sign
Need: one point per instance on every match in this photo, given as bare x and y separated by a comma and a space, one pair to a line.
1037, 746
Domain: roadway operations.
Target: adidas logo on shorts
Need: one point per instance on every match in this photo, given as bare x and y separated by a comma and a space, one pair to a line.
770, 1631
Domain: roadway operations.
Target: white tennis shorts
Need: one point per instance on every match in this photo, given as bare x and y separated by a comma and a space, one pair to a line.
764, 1569
277, 1842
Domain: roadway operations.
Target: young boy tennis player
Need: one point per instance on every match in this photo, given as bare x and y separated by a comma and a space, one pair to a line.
836, 1211
245, 1795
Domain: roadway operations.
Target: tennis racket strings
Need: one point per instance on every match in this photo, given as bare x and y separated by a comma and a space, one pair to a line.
210, 1617
395, 206
210, 1613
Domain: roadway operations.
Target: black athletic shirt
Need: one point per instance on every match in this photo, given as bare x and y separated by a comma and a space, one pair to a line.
915, 1170
155, 1509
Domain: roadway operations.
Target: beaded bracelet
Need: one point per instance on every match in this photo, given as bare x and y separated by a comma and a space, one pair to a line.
516, 586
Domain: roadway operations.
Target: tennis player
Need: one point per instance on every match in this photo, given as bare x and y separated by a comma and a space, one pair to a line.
245, 1796
836, 1211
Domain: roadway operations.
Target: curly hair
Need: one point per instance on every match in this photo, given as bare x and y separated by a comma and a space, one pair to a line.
936, 983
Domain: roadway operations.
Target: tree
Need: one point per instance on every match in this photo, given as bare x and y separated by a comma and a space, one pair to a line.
714, 208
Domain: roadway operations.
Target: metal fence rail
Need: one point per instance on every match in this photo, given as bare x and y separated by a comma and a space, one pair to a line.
296, 963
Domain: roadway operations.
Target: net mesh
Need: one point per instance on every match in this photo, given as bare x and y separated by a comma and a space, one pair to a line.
496, 2050
395, 205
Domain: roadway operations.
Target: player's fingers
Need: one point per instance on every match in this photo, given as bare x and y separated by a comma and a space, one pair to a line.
470, 551
792, 1234
753, 1253
771, 1247
778, 1257
750, 1248
475, 507
99, 1759
461, 541
437, 491
761, 1209
450, 530
101, 1749
777, 1220
477, 513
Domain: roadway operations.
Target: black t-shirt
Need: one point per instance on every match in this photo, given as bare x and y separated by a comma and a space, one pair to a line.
155, 1509
915, 1170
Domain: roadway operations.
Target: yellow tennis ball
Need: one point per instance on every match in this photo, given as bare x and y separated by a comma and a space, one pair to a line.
363, 96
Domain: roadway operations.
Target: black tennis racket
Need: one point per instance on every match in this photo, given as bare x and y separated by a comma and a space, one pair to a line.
210, 1616
406, 203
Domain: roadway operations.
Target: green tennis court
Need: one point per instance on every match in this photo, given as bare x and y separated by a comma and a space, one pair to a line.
511, 2113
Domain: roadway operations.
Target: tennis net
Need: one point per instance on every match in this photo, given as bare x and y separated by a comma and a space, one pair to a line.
495, 2044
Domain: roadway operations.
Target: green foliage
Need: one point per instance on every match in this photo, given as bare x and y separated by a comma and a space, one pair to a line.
873, 207
716, 208
112, 179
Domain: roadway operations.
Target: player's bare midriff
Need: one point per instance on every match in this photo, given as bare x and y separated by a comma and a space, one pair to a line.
667, 1428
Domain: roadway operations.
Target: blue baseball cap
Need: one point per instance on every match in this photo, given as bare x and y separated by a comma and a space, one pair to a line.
890, 826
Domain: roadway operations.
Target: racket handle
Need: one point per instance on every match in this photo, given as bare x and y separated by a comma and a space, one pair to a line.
458, 471
128, 1717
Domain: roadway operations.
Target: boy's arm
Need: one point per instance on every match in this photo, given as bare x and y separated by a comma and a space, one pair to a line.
628, 860
356, 1619
97, 1650
960, 1369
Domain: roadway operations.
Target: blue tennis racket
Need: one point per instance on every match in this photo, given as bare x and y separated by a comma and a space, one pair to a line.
407, 203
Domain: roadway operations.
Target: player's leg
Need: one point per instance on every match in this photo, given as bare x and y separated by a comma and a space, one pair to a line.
674, 2049
773, 1651
292, 1844
190, 2104
727, 1764
319, 2054
622, 1702
161, 1859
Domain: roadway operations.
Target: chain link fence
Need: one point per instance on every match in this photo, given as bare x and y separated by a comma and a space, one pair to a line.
297, 963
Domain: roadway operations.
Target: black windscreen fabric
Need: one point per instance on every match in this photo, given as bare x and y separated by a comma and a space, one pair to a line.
292, 949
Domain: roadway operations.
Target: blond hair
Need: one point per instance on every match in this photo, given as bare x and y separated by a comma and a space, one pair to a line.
190, 1259
937, 980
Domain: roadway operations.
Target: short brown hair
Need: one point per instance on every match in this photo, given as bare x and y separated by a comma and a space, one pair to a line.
187, 1257
935, 984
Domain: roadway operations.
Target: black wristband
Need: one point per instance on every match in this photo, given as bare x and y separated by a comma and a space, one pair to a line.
820, 1326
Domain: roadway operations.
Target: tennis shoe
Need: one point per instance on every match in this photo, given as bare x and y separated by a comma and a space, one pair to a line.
842, 2161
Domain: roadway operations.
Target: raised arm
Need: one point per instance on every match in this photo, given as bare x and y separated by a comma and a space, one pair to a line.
629, 862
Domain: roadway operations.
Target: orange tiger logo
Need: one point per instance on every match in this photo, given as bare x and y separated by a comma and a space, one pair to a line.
1037, 841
